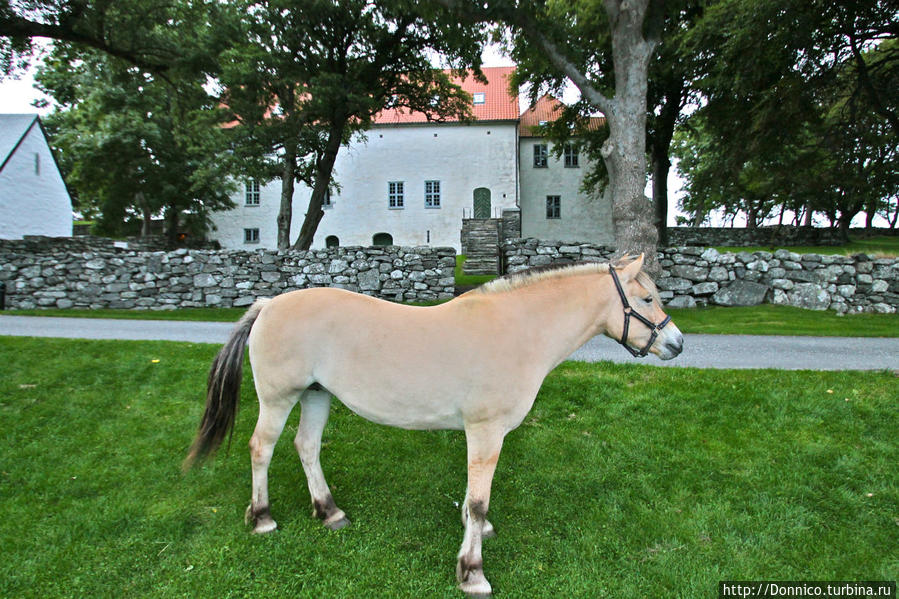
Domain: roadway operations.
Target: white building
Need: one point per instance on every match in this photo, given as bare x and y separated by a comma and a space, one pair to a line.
553, 206
34, 199
411, 182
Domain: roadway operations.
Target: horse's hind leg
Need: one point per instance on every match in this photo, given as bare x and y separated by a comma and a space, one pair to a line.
273, 413
316, 405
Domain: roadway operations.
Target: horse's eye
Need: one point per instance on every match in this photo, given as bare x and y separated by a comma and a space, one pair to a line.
648, 299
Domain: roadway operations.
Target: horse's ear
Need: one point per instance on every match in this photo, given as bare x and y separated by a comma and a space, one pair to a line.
631, 270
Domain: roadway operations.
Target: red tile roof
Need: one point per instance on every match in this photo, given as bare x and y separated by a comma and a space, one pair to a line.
546, 110
499, 104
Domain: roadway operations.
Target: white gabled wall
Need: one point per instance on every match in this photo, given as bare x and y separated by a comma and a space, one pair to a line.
33, 201
462, 157
583, 218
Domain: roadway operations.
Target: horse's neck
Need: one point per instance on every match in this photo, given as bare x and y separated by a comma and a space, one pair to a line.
563, 313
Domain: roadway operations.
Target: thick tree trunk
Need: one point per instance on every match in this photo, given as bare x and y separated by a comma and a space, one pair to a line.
808, 217
624, 152
323, 169
285, 212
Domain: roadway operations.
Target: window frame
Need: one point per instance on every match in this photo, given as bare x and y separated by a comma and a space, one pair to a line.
396, 195
432, 195
541, 156
252, 193
251, 235
553, 207
571, 155
476, 95
326, 201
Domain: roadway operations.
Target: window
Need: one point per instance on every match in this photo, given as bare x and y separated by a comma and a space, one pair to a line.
540, 156
553, 206
326, 201
571, 156
432, 194
251, 235
37, 164
395, 194
479, 98
251, 194
332, 241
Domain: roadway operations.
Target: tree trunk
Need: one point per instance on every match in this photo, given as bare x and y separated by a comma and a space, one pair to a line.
895, 217
323, 169
171, 226
624, 152
146, 214
663, 132
660, 166
808, 217
285, 212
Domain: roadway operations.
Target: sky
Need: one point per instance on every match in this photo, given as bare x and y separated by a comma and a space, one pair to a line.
17, 96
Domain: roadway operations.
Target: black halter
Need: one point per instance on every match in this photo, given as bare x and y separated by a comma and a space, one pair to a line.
628, 312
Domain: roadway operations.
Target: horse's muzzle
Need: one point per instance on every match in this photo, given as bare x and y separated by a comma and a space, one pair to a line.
671, 346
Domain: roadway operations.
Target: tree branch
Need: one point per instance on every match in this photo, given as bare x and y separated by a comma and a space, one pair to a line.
522, 19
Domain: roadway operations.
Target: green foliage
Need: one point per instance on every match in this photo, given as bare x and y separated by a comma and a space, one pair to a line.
796, 112
623, 481
133, 145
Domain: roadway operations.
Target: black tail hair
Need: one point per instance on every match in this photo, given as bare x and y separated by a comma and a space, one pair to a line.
223, 390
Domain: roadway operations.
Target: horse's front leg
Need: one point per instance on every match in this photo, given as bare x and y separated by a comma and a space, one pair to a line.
484, 444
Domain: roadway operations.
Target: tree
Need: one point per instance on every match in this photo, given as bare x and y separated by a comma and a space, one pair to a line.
311, 75
614, 83
156, 35
799, 111
133, 145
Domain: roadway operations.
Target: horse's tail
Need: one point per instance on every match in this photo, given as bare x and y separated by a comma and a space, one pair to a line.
223, 390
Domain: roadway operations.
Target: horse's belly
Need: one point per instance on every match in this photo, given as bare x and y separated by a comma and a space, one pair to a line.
405, 413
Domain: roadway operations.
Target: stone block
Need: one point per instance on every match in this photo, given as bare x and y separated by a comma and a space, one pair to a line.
741, 293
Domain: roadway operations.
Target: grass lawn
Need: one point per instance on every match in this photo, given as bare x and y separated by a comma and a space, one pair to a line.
464, 280
624, 481
878, 246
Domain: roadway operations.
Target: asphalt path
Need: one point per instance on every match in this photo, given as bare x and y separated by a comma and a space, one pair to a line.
700, 351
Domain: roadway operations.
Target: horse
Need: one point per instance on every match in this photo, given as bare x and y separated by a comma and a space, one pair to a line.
474, 363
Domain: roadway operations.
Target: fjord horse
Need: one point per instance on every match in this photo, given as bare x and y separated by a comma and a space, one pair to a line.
474, 363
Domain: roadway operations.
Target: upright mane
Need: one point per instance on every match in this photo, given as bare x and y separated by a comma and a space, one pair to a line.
528, 277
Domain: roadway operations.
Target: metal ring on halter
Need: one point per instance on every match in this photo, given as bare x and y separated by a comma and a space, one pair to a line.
628, 312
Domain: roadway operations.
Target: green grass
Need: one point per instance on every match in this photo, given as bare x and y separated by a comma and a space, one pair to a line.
766, 319
879, 246
624, 481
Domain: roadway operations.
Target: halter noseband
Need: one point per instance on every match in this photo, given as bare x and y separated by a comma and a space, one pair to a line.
628, 312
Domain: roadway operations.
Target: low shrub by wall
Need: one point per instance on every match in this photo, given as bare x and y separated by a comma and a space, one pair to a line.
694, 276
80, 273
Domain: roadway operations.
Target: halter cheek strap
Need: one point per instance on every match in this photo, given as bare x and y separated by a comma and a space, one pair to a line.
628, 313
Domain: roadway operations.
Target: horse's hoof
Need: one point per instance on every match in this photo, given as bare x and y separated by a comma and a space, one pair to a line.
478, 588
264, 527
338, 524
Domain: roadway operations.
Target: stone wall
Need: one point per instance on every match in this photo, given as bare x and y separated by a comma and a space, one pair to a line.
774, 236
694, 276
79, 273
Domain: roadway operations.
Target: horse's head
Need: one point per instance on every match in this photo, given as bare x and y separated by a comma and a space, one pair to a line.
635, 317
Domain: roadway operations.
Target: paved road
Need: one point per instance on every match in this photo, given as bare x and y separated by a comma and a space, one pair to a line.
702, 351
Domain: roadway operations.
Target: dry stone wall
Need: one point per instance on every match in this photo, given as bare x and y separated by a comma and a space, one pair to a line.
694, 276
72, 273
